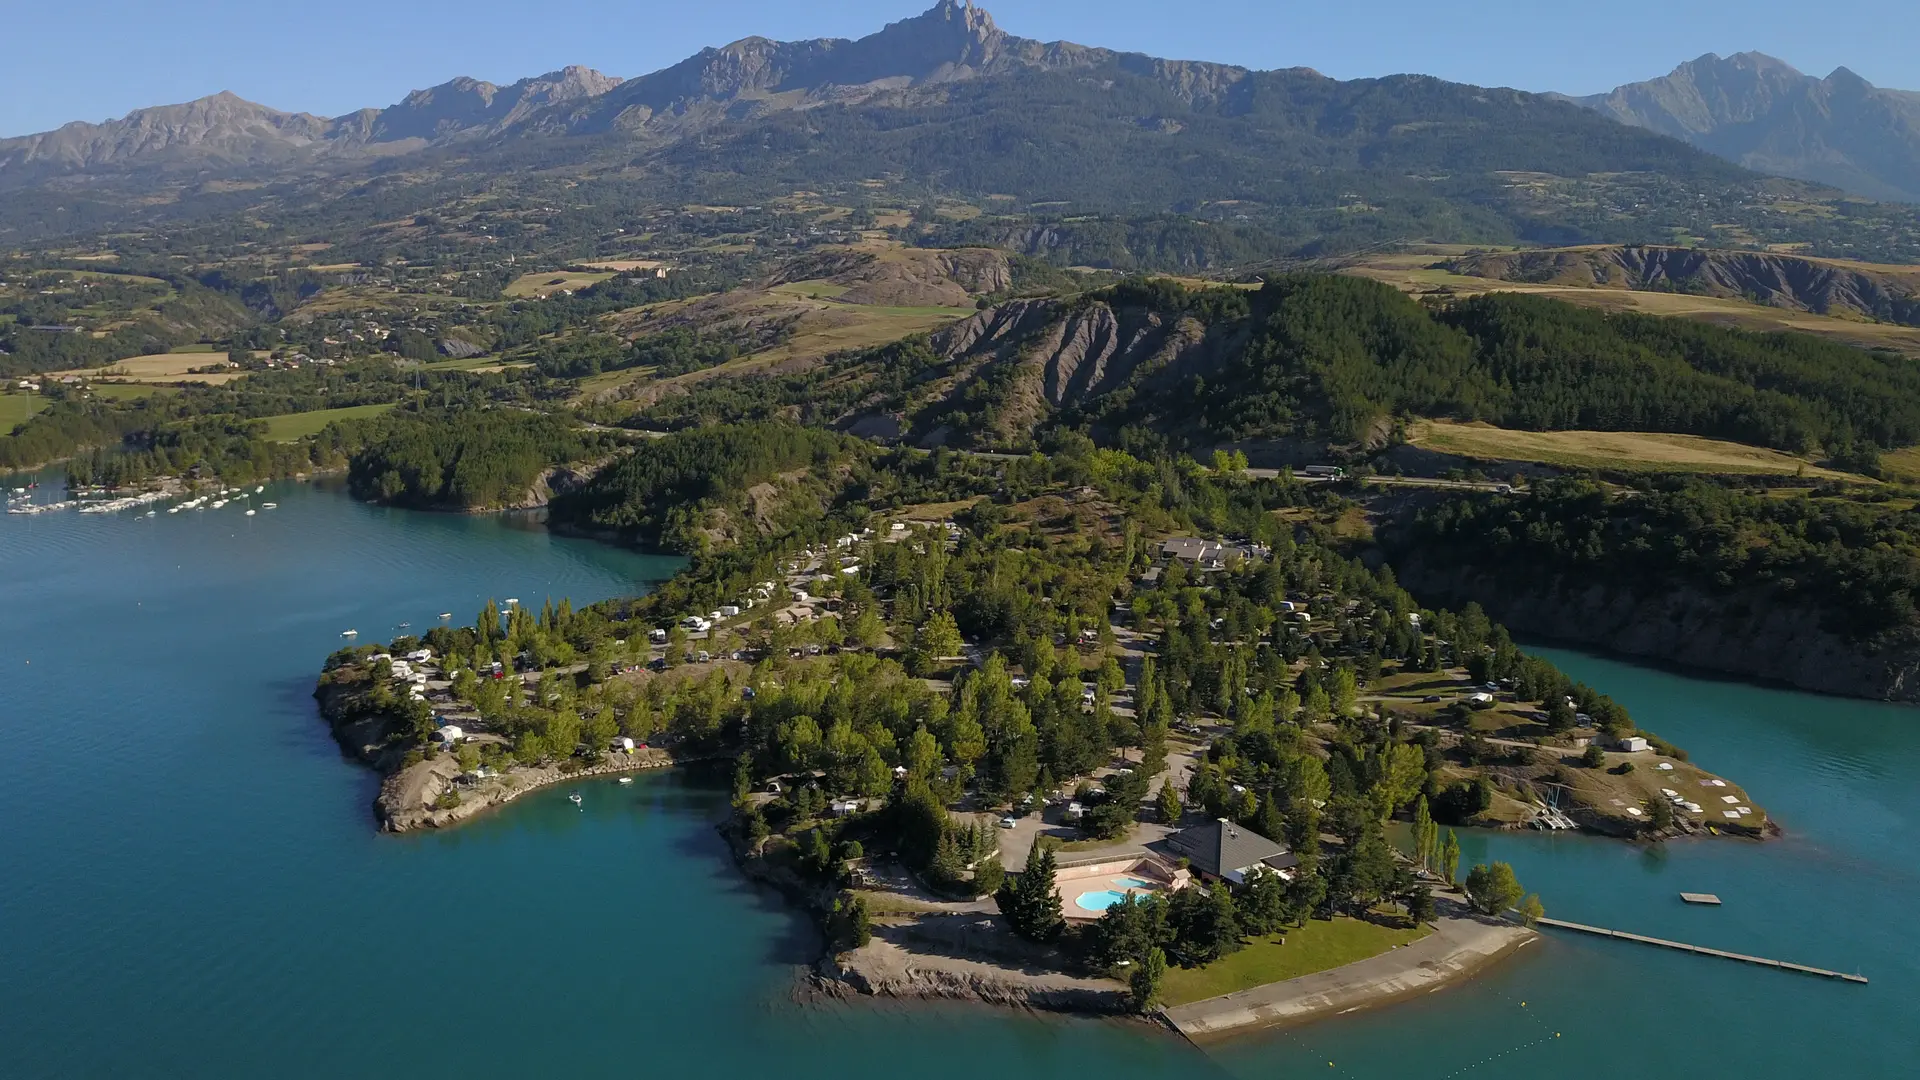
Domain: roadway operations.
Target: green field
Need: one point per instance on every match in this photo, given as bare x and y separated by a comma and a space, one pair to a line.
467, 364
1317, 946
546, 284
1640, 451
128, 391
15, 408
293, 426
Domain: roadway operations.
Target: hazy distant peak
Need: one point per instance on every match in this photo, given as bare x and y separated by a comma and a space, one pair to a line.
1764, 113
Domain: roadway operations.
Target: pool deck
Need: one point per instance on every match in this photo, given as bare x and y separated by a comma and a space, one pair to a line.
1461, 944
1130, 874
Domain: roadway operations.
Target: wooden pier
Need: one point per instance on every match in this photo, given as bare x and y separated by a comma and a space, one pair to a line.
1561, 924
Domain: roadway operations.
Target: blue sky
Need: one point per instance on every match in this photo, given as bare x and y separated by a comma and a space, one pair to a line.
91, 59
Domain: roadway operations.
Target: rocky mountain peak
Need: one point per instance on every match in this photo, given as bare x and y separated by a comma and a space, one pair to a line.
952, 32
1764, 113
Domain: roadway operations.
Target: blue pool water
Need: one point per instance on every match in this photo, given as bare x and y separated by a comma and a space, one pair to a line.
1098, 901
1136, 883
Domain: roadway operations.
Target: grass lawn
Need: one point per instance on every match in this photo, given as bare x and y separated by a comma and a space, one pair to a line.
293, 426
16, 408
887, 903
1317, 946
1095, 843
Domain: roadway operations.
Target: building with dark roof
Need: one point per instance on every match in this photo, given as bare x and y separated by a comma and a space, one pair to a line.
1220, 849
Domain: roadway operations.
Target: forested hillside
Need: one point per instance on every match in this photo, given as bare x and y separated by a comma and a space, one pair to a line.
681, 492
1858, 563
1343, 360
465, 459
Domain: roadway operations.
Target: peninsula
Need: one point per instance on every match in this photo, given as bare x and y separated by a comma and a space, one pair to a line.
1185, 730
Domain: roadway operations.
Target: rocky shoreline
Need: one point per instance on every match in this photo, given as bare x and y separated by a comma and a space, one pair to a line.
408, 798
884, 968
412, 788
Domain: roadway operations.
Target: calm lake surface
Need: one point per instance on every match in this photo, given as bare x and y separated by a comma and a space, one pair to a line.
191, 885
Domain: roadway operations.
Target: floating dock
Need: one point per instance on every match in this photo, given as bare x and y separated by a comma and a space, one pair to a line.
1561, 924
1700, 898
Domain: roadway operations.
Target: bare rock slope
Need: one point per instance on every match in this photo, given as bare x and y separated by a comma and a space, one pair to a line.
1821, 286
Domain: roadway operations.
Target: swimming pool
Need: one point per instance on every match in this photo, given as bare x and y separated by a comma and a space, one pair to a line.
1098, 901
1135, 883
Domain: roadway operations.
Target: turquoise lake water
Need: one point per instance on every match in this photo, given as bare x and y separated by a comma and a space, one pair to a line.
190, 882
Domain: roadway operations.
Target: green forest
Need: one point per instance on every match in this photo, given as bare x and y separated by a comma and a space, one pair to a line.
465, 459
1856, 561
1342, 358
662, 494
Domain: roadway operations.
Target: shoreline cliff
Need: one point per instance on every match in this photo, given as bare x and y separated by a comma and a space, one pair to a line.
1748, 634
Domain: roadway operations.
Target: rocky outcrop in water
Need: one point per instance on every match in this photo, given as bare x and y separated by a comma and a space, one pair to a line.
964, 958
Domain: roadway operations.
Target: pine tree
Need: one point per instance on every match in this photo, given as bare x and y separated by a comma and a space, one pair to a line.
1169, 804
1038, 908
946, 866
1153, 748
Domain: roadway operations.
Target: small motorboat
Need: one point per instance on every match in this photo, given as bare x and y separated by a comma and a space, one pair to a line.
260, 489
575, 799
269, 506
446, 615
626, 779
349, 633
250, 513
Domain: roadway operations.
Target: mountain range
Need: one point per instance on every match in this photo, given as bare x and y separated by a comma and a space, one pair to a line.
953, 42
1762, 113
947, 103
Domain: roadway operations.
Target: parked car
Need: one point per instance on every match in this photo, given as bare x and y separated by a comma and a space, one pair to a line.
1008, 823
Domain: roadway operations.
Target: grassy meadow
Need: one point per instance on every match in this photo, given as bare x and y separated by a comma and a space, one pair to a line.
294, 426
1643, 451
